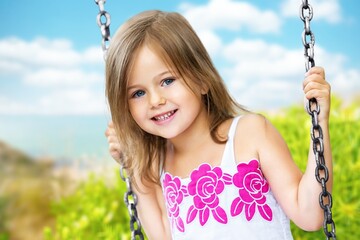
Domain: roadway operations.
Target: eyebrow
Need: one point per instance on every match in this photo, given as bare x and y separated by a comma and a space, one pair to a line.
156, 76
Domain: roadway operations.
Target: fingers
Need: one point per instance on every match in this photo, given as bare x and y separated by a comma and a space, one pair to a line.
114, 151
113, 141
315, 88
315, 74
316, 70
110, 130
315, 85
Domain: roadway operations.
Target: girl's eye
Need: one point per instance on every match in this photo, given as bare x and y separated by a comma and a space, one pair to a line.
167, 81
138, 93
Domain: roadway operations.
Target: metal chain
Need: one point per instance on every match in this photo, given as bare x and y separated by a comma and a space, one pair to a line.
321, 171
130, 198
103, 25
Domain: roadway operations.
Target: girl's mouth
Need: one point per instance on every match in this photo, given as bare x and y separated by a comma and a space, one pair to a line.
164, 116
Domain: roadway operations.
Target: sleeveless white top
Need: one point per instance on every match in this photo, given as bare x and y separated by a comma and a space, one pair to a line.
224, 202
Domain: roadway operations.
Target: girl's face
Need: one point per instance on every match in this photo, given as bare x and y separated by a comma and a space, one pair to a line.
160, 102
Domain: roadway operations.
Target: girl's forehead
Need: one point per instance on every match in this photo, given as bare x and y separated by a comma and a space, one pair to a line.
147, 56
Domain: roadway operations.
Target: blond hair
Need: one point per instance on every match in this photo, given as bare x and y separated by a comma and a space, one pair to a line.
174, 40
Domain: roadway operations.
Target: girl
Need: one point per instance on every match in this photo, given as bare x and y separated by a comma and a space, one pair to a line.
203, 166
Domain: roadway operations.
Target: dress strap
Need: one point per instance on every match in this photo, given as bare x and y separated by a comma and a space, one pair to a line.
233, 126
228, 158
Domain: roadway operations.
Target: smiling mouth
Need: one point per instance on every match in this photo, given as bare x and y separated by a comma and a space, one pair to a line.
164, 116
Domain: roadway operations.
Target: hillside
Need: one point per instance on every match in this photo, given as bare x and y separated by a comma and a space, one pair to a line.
13, 163
28, 186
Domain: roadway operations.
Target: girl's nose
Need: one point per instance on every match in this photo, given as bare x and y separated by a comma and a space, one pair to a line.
157, 100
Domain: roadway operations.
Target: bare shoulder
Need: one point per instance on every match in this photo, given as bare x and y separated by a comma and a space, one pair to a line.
250, 132
254, 122
253, 116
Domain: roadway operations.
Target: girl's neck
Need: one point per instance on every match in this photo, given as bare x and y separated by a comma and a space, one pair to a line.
197, 135
188, 152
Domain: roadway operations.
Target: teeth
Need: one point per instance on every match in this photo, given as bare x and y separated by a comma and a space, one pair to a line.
165, 116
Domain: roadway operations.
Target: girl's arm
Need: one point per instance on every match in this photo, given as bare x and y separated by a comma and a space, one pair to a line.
152, 211
296, 192
150, 207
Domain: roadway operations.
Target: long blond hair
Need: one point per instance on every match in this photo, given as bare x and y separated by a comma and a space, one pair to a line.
174, 40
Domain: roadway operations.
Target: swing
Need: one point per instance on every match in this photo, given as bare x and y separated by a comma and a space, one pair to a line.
312, 107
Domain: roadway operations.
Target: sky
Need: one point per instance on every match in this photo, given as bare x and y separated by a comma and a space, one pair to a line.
51, 61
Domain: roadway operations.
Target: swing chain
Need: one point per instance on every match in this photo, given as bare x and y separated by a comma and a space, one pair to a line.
130, 198
308, 37
313, 108
103, 25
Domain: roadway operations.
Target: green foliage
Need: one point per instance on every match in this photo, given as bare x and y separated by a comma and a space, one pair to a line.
294, 125
4, 236
96, 210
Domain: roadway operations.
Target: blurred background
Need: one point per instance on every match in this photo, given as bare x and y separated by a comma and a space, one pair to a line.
57, 180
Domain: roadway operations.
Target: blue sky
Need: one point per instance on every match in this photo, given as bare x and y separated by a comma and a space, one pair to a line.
51, 62
52, 71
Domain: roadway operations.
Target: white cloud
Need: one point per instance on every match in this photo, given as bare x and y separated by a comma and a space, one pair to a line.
68, 102
93, 55
62, 77
267, 76
263, 75
346, 83
10, 66
74, 101
257, 58
41, 52
328, 10
211, 41
10, 106
230, 15
52, 77
260, 74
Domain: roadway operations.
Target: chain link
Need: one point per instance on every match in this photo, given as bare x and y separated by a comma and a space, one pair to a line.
308, 38
103, 21
313, 108
130, 198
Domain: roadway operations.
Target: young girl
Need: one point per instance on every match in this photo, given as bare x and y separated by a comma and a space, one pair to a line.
203, 166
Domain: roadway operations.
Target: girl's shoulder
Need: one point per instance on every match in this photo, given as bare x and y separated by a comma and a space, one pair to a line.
251, 130
253, 122
248, 123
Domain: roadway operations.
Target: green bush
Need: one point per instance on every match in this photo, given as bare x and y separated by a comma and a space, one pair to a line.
294, 125
97, 211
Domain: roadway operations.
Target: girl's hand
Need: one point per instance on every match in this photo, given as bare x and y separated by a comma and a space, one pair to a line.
315, 86
114, 145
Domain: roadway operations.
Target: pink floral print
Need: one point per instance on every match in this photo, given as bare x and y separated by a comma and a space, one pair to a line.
205, 186
252, 187
174, 194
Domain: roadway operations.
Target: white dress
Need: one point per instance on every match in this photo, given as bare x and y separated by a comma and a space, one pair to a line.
229, 201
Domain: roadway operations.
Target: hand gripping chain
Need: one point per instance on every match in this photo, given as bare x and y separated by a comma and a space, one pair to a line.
321, 171
130, 197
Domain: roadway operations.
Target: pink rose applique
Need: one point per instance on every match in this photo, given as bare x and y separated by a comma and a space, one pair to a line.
205, 186
252, 189
174, 194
